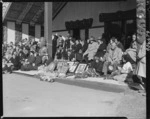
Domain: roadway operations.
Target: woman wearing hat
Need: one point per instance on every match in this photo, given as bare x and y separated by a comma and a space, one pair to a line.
91, 50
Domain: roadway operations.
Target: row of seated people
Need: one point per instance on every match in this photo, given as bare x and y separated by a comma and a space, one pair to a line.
97, 54
23, 57
94, 52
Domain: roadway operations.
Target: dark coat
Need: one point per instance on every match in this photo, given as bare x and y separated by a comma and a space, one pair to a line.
28, 67
121, 46
54, 46
31, 59
67, 44
38, 60
72, 55
101, 50
16, 62
84, 47
49, 60
77, 48
98, 66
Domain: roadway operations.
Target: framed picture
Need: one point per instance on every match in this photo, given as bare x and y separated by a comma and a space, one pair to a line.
81, 68
70, 63
63, 69
73, 67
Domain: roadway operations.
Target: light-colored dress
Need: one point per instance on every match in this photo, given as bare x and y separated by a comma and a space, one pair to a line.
141, 65
91, 51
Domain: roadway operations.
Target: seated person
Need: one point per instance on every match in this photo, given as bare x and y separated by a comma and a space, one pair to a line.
113, 58
46, 60
109, 45
102, 48
97, 64
84, 45
72, 45
7, 64
15, 61
131, 53
43, 51
78, 46
64, 54
4, 65
23, 55
71, 55
58, 54
91, 51
122, 72
79, 56
119, 44
38, 61
27, 64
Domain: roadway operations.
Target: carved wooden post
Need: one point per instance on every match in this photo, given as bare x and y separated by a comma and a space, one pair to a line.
141, 21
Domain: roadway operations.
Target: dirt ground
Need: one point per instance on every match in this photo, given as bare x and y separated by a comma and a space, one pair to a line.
29, 97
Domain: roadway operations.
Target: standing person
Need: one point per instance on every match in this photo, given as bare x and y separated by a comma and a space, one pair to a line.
54, 46
141, 64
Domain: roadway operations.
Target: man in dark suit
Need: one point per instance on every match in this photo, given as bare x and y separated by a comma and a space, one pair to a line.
102, 47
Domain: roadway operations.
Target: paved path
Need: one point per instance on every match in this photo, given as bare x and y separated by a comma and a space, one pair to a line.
27, 96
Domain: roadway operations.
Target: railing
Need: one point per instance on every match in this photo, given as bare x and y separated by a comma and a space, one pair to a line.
6, 6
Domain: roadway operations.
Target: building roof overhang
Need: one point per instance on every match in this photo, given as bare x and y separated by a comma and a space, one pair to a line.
28, 12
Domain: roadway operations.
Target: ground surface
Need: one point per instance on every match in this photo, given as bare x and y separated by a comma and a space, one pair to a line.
27, 96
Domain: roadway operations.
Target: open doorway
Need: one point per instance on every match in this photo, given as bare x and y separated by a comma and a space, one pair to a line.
76, 33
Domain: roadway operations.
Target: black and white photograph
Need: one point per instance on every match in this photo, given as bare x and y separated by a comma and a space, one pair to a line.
81, 68
75, 59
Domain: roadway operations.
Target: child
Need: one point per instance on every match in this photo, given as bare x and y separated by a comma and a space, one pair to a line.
122, 72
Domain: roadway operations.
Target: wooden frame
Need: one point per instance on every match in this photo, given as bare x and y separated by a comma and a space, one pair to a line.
81, 68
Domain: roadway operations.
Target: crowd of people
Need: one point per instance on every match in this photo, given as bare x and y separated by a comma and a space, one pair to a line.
25, 55
107, 59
